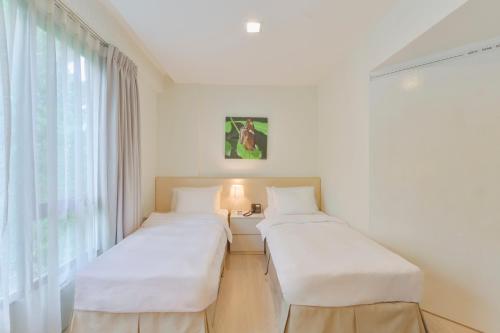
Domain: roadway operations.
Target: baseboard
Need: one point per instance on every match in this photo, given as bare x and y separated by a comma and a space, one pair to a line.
438, 324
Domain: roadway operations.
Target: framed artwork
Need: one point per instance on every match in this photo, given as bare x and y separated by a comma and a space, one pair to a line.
246, 138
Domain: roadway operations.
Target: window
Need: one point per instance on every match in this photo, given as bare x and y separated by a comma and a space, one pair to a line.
52, 93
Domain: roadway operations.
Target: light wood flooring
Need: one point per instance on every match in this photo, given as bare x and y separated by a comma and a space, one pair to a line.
245, 302
436, 324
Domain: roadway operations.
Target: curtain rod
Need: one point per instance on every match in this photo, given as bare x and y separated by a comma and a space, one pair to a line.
75, 17
407, 68
468, 50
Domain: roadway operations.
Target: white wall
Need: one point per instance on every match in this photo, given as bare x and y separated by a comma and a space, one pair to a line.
151, 81
456, 30
191, 130
149, 150
343, 99
407, 20
435, 183
343, 142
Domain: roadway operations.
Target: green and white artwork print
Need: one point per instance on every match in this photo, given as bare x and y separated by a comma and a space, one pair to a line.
246, 138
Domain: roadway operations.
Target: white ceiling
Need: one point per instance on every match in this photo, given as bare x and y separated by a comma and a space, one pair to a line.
475, 21
204, 41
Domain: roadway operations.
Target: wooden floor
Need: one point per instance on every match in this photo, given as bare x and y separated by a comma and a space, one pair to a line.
436, 324
245, 304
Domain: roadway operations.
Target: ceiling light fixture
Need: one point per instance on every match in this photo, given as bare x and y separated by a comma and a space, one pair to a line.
253, 27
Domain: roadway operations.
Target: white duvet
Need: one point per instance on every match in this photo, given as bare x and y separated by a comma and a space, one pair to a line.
322, 261
171, 264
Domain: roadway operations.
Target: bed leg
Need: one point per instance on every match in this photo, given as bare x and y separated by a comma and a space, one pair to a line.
284, 329
223, 269
267, 265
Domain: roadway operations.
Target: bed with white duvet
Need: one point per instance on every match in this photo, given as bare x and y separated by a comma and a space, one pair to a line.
328, 277
163, 278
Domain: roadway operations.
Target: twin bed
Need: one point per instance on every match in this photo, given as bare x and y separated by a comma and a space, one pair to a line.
163, 278
326, 277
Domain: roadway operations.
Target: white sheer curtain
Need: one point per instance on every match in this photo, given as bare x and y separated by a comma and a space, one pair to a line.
52, 174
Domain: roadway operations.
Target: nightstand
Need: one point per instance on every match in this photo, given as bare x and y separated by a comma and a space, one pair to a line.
246, 236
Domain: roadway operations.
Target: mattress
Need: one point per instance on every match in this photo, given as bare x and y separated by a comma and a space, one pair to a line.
322, 261
171, 264
387, 317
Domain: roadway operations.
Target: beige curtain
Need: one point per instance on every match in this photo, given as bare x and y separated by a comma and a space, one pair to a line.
122, 105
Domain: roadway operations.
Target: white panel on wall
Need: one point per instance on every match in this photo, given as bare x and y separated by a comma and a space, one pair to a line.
435, 181
191, 130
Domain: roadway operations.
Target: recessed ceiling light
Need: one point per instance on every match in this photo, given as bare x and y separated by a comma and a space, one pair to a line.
253, 27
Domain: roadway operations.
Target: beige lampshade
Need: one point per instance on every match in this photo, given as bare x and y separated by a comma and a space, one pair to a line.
237, 192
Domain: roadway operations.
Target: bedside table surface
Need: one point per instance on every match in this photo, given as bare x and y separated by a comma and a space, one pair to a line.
235, 214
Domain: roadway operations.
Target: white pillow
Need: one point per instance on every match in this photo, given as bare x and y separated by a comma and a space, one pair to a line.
294, 200
270, 197
270, 212
196, 199
173, 201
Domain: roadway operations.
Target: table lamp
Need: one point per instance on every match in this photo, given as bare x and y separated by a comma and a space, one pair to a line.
237, 194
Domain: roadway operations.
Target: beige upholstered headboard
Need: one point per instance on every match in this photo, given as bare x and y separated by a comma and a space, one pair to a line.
254, 189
